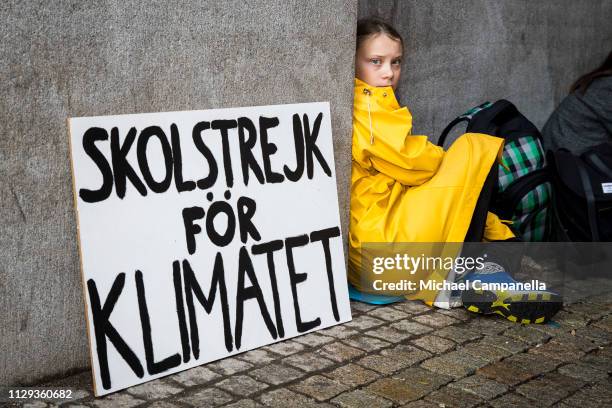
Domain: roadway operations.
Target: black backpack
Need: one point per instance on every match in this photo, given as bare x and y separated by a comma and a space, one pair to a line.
523, 191
583, 194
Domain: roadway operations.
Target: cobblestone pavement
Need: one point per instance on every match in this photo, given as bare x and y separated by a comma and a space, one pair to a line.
405, 355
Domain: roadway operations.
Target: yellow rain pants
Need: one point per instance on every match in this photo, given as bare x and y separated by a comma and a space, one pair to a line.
406, 189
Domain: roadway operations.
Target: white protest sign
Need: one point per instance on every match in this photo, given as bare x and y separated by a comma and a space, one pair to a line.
204, 234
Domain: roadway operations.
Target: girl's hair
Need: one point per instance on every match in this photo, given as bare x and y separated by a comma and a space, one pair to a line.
584, 81
372, 26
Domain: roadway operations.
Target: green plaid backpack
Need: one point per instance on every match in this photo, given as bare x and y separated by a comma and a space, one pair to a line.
523, 192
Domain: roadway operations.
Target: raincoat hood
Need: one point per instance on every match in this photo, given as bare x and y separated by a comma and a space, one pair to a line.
380, 137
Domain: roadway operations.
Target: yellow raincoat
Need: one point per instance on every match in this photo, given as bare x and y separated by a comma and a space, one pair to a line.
406, 189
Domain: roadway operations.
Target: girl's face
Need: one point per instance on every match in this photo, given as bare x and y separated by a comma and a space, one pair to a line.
378, 61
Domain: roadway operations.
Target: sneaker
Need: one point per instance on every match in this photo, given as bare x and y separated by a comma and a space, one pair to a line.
535, 306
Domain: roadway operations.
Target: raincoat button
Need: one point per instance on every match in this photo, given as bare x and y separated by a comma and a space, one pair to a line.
384, 94
366, 91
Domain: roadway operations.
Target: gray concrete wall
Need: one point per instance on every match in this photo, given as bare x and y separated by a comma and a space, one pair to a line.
459, 54
79, 58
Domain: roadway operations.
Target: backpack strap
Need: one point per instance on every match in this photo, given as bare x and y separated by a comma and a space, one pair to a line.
466, 117
592, 158
514, 193
590, 198
559, 232
447, 129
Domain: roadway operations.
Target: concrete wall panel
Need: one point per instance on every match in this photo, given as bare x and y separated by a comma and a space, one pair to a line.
81, 58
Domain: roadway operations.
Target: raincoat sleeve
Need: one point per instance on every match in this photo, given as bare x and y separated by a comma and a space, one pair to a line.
393, 151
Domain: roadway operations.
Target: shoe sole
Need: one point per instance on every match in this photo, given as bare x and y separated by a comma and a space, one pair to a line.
521, 308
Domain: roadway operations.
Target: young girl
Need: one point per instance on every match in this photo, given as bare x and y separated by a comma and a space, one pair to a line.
405, 189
